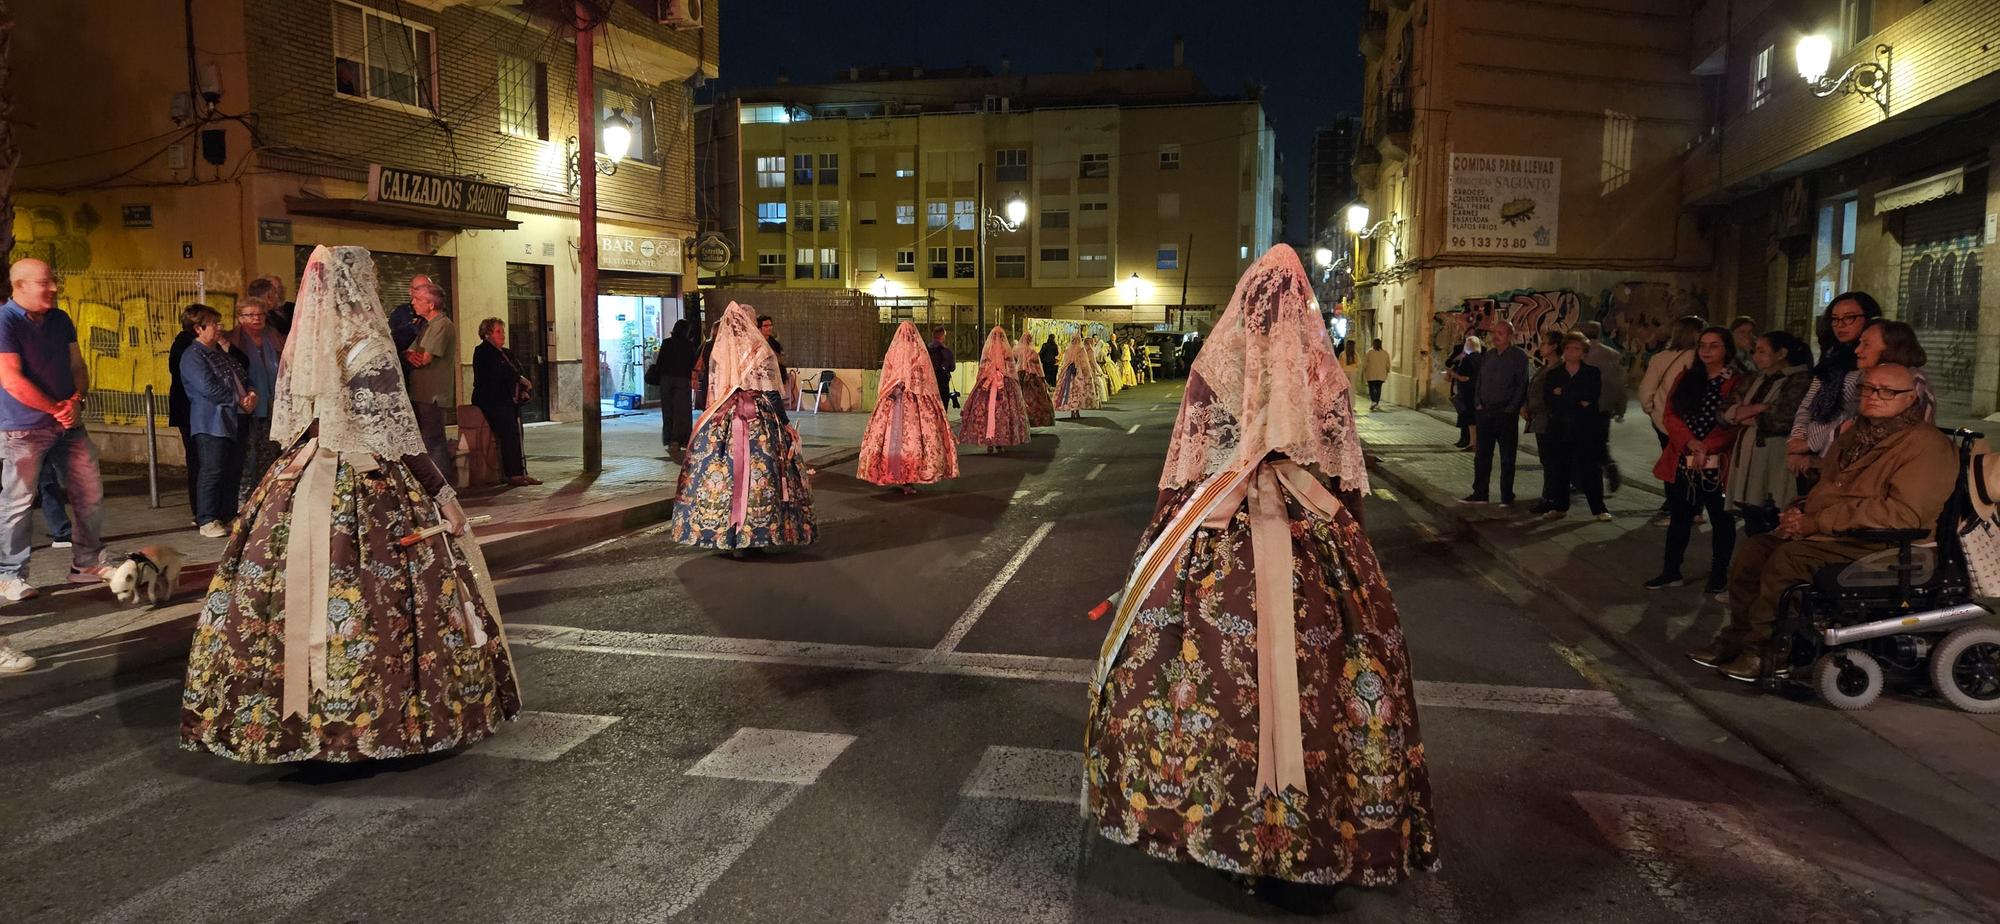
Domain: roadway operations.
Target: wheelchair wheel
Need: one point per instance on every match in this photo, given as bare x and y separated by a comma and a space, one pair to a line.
1965, 668
1847, 679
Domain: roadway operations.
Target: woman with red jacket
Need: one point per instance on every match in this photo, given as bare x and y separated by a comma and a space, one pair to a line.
1695, 459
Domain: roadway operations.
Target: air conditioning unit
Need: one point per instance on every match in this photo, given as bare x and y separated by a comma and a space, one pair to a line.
679, 14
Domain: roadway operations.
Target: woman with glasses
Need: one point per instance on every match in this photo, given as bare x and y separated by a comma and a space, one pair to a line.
1831, 399
262, 349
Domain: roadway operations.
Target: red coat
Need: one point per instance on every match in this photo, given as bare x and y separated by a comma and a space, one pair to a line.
1679, 437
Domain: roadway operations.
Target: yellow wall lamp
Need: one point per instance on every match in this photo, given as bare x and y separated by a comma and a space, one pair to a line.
1866, 78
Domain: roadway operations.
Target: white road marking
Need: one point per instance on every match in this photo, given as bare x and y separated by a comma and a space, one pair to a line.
801, 654
542, 736
773, 755
1133, 429
128, 800
985, 599
1046, 498
1544, 700
625, 537
98, 770
1029, 774
1024, 492
1099, 470
1001, 861
94, 704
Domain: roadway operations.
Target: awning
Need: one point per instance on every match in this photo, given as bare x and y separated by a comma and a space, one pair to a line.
1948, 183
384, 213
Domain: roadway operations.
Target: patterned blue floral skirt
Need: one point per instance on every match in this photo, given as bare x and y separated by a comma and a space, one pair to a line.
745, 439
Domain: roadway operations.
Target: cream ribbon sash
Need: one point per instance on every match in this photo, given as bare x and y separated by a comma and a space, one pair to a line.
308, 568
1280, 746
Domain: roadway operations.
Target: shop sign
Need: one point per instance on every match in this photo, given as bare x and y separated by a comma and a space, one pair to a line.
137, 216
1502, 203
274, 231
396, 186
712, 252
638, 254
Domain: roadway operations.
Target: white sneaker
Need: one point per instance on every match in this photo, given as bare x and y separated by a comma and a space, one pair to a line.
12, 661
214, 529
15, 590
60, 544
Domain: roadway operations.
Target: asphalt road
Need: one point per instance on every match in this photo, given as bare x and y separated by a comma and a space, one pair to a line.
885, 726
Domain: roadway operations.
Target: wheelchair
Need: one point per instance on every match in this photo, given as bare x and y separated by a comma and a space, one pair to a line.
1903, 615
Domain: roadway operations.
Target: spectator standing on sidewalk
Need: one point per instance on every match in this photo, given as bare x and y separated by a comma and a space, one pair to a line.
1759, 483
177, 406
434, 376
1695, 462
1834, 396
219, 400
673, 371
1743, 336
499, 388
1499, 393
942, 364
1610, 365
1571, 390
1662, 371
1375, 371
261, 349
39, 361
1548, 352
1462, 370
1048, 355
406, 324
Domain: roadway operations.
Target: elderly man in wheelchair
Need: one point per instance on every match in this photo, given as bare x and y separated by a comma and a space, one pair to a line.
1885, 481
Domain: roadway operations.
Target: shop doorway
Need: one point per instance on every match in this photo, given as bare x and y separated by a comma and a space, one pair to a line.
393, 272
528, 332
630, 326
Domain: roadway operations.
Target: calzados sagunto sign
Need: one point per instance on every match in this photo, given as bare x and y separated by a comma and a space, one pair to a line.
395, 186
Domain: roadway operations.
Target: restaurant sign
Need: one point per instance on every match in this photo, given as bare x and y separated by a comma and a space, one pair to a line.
396, 186
638, 254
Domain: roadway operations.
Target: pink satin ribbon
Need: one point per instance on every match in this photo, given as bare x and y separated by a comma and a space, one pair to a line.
993, 407
894, 452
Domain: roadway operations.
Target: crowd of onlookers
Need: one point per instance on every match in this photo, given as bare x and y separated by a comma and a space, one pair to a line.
1751, 426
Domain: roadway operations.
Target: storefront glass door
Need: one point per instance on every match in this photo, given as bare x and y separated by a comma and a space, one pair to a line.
527, 332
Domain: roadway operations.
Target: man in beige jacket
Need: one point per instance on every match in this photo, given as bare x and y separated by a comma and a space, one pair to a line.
1374, 371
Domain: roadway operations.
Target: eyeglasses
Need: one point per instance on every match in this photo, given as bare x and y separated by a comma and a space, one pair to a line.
1849, 318
1883, 391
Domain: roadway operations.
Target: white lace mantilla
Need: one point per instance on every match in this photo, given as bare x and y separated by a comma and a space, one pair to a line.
340, 366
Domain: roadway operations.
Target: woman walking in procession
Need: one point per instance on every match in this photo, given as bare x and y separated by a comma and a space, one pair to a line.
326, 636
673, 372
743, 485
1695, 463
1076, 383
908, 441
1034, 388
994, 416
1253, 708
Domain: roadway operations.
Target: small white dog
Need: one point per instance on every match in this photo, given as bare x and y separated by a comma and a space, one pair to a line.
149, 575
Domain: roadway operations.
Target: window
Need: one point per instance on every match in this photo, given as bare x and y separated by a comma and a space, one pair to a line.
1092, 260
1093, 212
963, 213
769, 112
1055, 255
1094, 204
1169, 257
906, 213
1834, 263
770, 216
906, 261
1243, 251
864, 163
524, 98
829, 170
382, 57
940, 262
864, 212
636, 110
829, 214
770, 263
1011, 165
1170, 157
802, 216
829, 263
961, 263
771, 172
864, 260
937, 214
906, 164
1170, 205
1616, 169
803, 267
1055, 218
1093, 164
1856, 21
1760, 78
1010, 265
802, 169
1055, 263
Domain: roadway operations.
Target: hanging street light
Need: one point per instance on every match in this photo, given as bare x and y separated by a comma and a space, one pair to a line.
1814, 56
1012, 215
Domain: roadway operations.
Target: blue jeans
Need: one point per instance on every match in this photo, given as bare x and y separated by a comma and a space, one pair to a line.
55, 506
73, 457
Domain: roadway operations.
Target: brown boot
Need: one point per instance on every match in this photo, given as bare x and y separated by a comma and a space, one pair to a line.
1747, 667
1716, 653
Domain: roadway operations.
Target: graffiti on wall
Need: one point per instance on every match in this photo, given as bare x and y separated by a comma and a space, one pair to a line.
125, 325
58, 237
1634, 316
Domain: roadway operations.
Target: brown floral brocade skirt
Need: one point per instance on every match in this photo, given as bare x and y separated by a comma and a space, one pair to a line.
1172, 743
405, 674
1035, 398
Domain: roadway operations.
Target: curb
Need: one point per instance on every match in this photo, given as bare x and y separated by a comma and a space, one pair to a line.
1527, 448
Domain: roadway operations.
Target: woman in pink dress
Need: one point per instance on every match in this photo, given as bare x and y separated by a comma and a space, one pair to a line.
1034, 389
908, 441
994, 416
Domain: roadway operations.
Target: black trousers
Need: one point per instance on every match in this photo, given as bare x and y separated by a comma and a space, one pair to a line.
1375, 391
1500, 432
676, 413
191, 452
1687, 495
1572, 460
503, 418
944, 391
221, 474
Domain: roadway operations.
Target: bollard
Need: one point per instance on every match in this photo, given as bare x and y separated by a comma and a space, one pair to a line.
152, 453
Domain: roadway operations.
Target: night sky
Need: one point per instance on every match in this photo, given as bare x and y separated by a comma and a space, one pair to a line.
1306, 58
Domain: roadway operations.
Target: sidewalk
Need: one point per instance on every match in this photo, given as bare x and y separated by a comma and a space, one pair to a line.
1922, 776
81, 633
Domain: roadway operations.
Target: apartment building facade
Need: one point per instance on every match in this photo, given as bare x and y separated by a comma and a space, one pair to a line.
1145, 195
441, 134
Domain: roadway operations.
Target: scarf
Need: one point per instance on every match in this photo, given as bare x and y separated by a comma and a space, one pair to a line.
1868, 433
1831, 373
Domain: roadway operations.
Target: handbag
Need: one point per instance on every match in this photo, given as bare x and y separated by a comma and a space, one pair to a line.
1979, 535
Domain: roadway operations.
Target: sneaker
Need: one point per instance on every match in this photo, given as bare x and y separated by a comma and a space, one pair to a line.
1747, 667
1714, 654
15, 590
59, 543
1664, 581
1474, 500
1509, 502
1604, 517
1716, 587
12, 661
1541, 506
89, 574
214, 529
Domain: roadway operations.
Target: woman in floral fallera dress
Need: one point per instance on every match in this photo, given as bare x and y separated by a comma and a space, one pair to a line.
1287, 747
744, 485
1034, 389
994, 416
324, 637
1076, 381
908, 441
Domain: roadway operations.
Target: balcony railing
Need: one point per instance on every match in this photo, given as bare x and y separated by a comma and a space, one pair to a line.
1390, 123
1374, 32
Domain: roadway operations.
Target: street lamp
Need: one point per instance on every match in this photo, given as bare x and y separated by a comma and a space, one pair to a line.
1323, 257
617, 144
1814, 55
1357, 218
881, 286
1012, 215
1134, 287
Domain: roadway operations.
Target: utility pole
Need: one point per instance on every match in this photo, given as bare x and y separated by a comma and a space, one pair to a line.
586, 221
979, 258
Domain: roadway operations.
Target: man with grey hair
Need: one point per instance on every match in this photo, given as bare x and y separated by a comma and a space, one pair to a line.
1610, 366
1498, 394
433, 360
406, 325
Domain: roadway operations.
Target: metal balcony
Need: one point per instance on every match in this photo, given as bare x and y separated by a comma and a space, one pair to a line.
1374, 32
